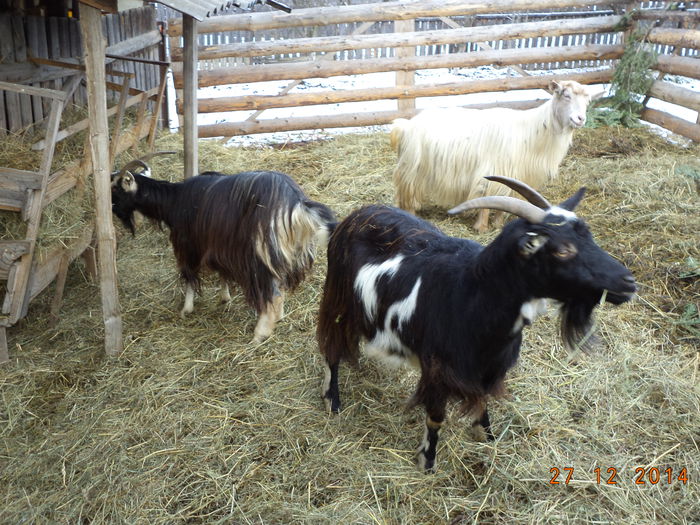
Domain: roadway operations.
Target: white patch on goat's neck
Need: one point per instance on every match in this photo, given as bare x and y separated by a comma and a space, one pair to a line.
366, 282
386, 345
529, 311
561, 212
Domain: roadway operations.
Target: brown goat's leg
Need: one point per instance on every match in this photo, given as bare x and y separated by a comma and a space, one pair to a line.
273, 312
329, 388
435, 416
482, 221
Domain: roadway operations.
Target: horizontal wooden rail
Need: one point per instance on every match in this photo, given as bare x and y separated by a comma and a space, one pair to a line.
231, 129
672, 123
673, 65
373, 12
31, 90
323, 69
438, 37
11, 178
260, 102
675, 94
675, 37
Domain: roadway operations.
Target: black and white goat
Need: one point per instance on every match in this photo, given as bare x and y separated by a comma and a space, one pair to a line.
455, 308
256, 229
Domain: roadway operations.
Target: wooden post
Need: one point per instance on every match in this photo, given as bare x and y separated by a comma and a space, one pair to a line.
405, 78
94, 45
189, 96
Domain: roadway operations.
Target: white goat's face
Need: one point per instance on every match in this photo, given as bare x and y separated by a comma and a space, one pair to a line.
571, 101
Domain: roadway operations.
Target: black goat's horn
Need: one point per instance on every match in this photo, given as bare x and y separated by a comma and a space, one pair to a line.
523, 189
141, 162
526, 210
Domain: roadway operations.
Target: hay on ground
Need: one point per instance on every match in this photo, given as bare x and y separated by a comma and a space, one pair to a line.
194, 424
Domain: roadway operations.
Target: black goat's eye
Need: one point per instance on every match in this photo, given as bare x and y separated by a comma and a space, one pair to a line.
565, 252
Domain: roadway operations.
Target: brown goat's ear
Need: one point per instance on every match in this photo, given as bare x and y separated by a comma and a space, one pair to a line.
128, 183
573, 201
531, 243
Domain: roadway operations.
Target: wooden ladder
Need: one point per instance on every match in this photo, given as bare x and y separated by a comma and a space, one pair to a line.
23, 191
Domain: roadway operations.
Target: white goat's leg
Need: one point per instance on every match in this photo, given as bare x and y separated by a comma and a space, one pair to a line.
482, 221
188, 308
225, 293
273, 312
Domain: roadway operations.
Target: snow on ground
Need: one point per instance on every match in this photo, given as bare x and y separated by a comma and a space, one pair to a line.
387, 79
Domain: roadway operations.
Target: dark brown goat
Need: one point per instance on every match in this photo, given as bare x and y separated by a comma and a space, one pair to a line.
256, 229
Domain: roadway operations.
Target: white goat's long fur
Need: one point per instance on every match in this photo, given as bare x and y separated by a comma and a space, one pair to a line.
444, 154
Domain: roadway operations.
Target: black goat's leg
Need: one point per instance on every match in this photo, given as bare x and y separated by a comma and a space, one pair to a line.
329, 388
484, 421
434, 418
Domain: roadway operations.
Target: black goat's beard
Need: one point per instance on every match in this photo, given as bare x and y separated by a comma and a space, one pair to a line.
576, 324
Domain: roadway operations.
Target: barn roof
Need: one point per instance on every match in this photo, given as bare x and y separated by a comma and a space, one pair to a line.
199, 9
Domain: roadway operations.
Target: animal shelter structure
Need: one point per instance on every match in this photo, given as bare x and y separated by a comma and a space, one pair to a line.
56, 50
47, 69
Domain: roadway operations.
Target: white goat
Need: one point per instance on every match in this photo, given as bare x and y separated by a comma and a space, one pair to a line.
444, 154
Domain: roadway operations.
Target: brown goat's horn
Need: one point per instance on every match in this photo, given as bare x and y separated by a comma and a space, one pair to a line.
149, 156
523, 189
523, 209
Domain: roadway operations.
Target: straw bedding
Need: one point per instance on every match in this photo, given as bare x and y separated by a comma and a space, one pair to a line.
192, 424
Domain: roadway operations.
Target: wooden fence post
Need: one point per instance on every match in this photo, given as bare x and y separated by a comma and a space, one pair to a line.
190, 96
405, 78
94, 46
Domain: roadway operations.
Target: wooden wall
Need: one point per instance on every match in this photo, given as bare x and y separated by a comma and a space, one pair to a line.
27, 41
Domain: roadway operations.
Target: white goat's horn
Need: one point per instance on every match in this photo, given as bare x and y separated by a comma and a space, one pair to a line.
523, 189
526, 210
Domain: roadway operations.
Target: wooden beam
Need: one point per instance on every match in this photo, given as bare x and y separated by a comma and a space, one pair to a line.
675, 94
322, 69
684, 66
675, 37
457, 35
230, 129
94, 45
672, 123
189, 97
402, 10
405, 79
259, 102
31, 90
108, 6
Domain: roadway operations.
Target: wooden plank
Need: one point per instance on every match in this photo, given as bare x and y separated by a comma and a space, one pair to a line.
302, 70
685, 66
20, 45
84, 124
230, 129
11, 178
4, 354
55, 46
672, 123
118, 120
7, 51
675, 37
12, 200
405, 79
35, 31
402, 10
157, 107
457, 35
10, 251
94, 43
189, 97
675, 94
31, 90
45, 271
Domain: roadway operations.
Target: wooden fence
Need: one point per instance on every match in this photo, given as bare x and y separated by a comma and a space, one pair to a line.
344, 40
44, 52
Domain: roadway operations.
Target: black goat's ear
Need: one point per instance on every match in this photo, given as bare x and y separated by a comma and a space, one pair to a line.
573, 201
531, 242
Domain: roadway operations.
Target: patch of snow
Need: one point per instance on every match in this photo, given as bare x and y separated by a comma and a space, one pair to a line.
387, 79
